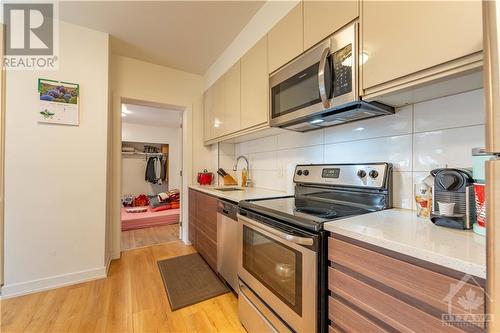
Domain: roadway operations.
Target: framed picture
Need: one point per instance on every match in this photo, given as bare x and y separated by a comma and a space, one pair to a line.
59, 102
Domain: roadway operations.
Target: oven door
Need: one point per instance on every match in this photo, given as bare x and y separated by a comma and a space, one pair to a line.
303, 87
281, 269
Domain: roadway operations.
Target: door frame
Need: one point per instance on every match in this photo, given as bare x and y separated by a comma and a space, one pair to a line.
114, 168
2, 154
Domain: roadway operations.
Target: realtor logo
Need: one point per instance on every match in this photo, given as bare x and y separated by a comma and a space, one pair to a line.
30, 35
466, 304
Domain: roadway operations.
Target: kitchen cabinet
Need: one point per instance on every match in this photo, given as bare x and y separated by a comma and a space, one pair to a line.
231, 82
203, 226
323, 18
208, 116
219, 108
377, 290
192, 216
415, 41
286, 39
254, 86
214, 102
222, 104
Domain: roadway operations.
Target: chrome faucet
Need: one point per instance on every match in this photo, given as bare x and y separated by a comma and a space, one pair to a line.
235, 168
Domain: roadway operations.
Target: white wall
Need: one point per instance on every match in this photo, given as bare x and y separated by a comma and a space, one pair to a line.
55, 175
265, 18
417, 139
133, 168
139, 82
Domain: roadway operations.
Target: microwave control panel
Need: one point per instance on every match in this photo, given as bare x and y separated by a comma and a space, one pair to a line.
342, 71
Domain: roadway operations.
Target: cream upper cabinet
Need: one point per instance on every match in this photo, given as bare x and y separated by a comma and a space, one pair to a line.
219, 108
286, 39
254, 86
322, 18
208, 116
232, 99
400, 38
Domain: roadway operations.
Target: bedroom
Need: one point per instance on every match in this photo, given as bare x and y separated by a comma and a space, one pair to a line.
151, 162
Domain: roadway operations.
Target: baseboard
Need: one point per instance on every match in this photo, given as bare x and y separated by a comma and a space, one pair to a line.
108, 264
58, 281
115, 255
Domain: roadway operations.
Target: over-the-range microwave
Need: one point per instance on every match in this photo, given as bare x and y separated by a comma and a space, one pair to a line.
320, 88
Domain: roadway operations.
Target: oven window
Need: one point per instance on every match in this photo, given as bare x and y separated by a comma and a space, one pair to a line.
297, 92
275, 265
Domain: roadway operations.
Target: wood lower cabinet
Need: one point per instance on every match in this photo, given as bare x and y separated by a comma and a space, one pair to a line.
377, 290
192, 216
203, 225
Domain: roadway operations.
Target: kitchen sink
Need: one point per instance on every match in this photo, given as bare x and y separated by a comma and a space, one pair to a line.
228, 189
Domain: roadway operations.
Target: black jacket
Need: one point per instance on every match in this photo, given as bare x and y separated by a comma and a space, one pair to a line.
150, 175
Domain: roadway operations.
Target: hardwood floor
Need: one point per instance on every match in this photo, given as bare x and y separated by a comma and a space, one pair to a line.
132, 239
131, 299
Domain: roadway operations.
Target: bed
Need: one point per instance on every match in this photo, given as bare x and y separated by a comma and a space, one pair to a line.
148, 218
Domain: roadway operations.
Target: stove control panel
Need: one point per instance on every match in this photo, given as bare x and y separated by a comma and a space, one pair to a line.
372, 175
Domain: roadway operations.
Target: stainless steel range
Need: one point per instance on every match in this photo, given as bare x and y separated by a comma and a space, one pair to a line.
282, 246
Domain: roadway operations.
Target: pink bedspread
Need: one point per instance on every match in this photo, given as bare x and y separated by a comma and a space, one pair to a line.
147, 219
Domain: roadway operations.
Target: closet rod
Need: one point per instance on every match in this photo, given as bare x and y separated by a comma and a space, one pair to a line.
143, 154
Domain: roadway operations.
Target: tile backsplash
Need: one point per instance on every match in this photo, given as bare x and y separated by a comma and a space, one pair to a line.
416, 139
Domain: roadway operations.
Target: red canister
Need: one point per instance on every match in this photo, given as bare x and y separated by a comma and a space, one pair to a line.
480, 204
205, 177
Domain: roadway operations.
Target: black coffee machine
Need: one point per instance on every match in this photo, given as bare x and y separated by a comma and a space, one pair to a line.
454, 186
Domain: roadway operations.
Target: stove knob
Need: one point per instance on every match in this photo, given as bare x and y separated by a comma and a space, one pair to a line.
306, 172
373, 174
299, 173
361, 173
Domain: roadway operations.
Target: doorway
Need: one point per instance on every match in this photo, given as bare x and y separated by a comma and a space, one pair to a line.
151, 182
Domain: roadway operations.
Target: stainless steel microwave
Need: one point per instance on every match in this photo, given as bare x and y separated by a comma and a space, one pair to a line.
320, 88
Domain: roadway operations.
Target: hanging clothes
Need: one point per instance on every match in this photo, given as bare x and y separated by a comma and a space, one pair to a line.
150, 175
155, 170
163, 168
158, 165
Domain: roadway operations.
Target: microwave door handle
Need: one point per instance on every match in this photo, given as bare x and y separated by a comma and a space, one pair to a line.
291, 238
321, 78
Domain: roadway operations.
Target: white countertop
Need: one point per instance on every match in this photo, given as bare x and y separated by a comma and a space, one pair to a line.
248, 193
400, 230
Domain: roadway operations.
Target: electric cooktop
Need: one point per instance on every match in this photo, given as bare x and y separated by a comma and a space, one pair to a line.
326, 193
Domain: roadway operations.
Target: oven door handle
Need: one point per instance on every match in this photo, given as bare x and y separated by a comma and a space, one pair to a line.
291, 238
321, 78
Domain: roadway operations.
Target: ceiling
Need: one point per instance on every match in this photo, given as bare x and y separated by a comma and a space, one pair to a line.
147, 115
186, 35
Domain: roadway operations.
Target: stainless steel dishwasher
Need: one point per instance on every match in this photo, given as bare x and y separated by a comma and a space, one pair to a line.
227, 242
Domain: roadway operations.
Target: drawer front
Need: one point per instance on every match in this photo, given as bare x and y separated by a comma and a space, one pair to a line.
207, 248
207, 215
390, 310
417, 282
208, 226
332, 329
192, 232
348, 319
